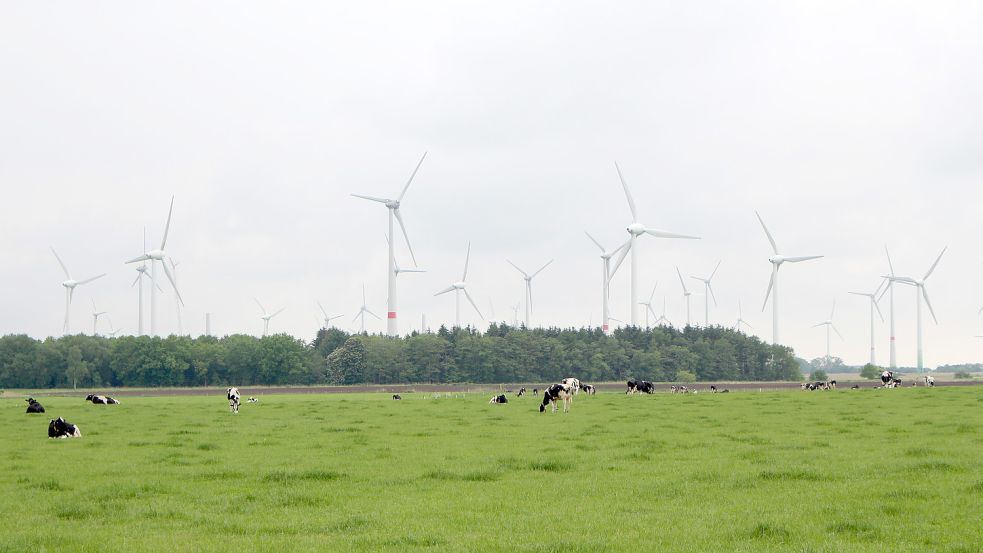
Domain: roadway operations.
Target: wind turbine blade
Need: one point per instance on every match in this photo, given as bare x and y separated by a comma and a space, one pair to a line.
417, 168
774, 246
906, 280
467, 259
167, 228
884, 291
624, 252
596, 243
170, 277
889, 264
357, 315
91, 279
474, 305
666, 234
373, 198
154, 281
937, 259
802, 258
325, 313
363, 294
836, 331
928, 303
715, 270
278, 312
369, 311
402, 226
878, 308
712, 295
541, 268
63, 267
518, 269
136, 280
652, 295
879, 285
445, 290
143, 257
771, 281
260, 306
820, 324
681, 280
631, 202
833, 310
529, 293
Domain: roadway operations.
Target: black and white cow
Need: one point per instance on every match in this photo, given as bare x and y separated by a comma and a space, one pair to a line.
522, 392
639, 386
555, 392
572, 383
855, 387
60, 428
887, 377
588, 389
499, 399
929, 381
535, 391
101, 400
233, 394
397, 397
895, 383
725, 391
713, 389
252, 400
33, 406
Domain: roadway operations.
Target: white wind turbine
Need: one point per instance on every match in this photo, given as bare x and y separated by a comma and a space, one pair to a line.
686, 294
112, 331
605, 278
528, 278
662, 318
457, 288
740, 318
70, 284
267, 316
776, 263
159, 255
890, 290
392, 328
636, 229
95, 316
920, 293
873, 306
362, 311
828, 323
327, 319
648, 305
707, 294
515, 315
141, 274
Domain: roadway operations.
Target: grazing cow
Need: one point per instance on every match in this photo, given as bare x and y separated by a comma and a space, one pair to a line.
713, 389
886, 377
555, 392
535, 391
252, 400
522, 392
831, 385
499, 399
644, 386
396, 397
233, 394
929, 381
588, 389
895, 382
60, 428
855, 387
631, 387
33, 406
573, 383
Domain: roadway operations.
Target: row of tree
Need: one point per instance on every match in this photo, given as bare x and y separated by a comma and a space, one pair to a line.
500, 354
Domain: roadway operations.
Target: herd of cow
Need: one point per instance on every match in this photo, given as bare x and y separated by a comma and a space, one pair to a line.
60, 428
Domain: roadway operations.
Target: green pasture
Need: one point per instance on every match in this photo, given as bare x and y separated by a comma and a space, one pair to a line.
840, 471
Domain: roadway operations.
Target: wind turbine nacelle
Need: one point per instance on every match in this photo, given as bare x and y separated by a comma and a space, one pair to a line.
459, 285
70, 283
777, 259
157, 255
636, 229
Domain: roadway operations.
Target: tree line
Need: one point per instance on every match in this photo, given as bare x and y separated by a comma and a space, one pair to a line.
501, 354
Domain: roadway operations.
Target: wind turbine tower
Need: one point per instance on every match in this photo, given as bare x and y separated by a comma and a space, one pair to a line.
392, 327
70, 283
528, 278
159, 255
606, 279
707, 294
457, 288
920, 293
873, 306
828, 323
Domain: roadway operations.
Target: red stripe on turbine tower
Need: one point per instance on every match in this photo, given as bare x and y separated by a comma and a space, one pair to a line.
392, 314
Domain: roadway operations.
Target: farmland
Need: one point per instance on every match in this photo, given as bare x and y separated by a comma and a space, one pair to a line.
846, 470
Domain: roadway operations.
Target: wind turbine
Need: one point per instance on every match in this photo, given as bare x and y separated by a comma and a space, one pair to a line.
828, 323
327, 319
920, 293
141, 273
707, 294
95, 316
70, 284
662, 318
686, 294
515, 315
873, 306
528, 278
159, 255
267, 316
740, 318
648, 305
112, 331
776, 263
606, 278
890, 289
362, 311
457, 288
636, 229
392, 327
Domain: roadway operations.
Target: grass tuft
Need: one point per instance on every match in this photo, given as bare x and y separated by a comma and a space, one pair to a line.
789, 475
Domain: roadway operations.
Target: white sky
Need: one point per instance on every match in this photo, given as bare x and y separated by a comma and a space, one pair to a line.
848, 125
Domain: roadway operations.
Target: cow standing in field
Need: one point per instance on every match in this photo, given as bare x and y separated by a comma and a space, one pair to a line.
639, 386
886, 378
522, 392
555, 392
588, 389
572, 383
60, 428
33, 406
233, 394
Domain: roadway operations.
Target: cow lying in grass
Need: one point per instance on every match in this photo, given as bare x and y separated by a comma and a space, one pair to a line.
554, 393
233, 394
499, 399
101, 400
33, 406
929, 381
60, 428
639, 386
397, 397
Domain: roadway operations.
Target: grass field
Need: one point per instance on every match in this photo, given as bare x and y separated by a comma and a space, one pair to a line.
847, 470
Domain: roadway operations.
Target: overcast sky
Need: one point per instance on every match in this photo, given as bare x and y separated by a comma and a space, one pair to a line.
847, 125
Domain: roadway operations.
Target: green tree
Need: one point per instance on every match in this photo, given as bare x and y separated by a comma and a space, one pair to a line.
819, 375
77, 368
870, 371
